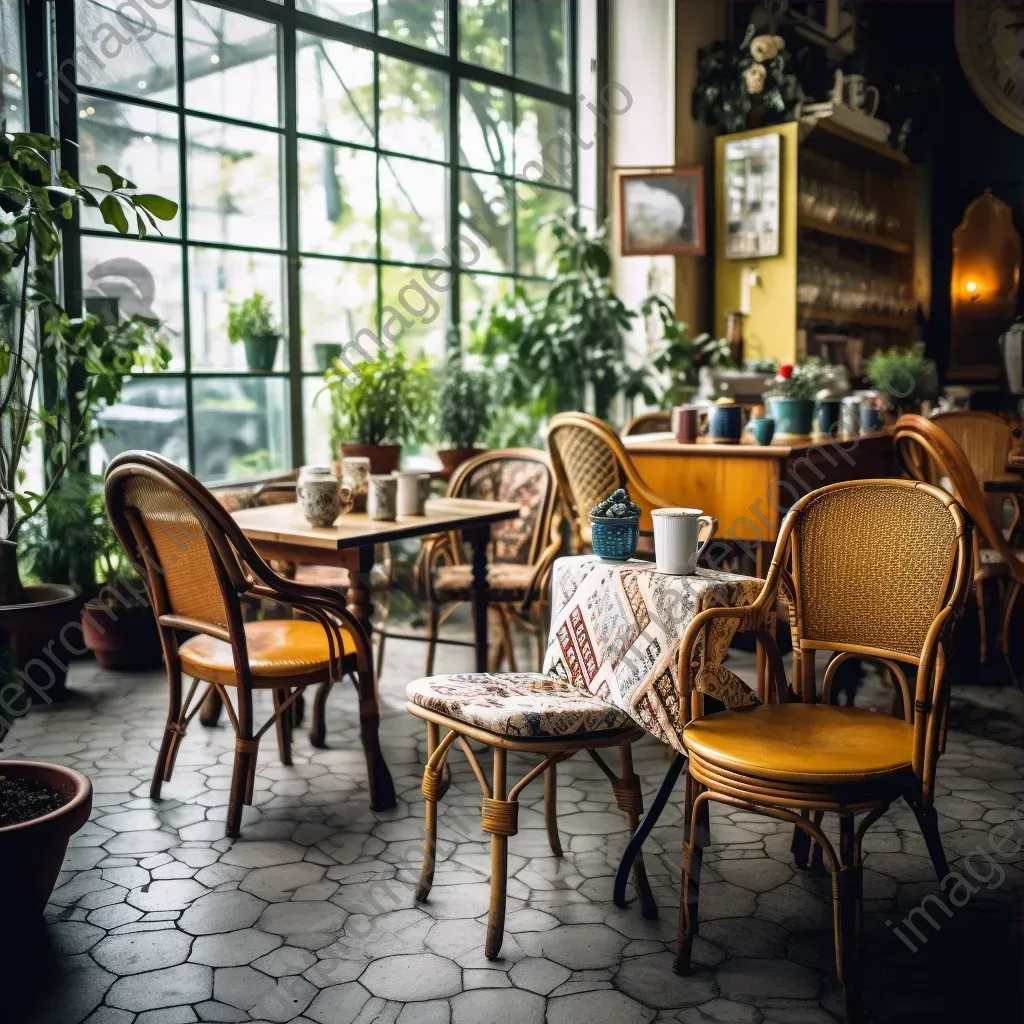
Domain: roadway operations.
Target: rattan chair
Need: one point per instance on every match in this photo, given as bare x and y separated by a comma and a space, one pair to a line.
522, 551
198, 568
985, 439
649, 423
929, 453
877, 570
590, 462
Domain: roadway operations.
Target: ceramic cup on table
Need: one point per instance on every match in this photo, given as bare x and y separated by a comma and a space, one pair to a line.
762, 429
872, 418
676, 539
725, 423
685, 423
383, 498
849, 415
826, 415
413, 491
319, 495
355, 475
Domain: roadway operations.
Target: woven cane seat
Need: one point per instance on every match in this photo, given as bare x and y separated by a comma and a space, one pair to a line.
508, 582
522, 704
803, 743
278, 649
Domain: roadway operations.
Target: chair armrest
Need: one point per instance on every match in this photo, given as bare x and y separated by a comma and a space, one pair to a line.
434, 551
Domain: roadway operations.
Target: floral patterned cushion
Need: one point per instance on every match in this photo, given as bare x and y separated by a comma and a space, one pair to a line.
507, 582
521, 704
989, 556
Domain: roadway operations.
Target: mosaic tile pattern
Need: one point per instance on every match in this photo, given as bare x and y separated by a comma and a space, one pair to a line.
310, 917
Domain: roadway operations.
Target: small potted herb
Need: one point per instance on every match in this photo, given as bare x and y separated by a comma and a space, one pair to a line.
904, 377
465, 403
792, 394
378, 405
252, 322
615, 527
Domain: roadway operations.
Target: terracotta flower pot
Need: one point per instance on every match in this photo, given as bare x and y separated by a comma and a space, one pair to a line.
37, 626
383, 458
124, 639
33, 851
452, 458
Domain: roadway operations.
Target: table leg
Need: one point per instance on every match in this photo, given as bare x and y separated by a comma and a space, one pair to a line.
212, 707
479, 539
650, 819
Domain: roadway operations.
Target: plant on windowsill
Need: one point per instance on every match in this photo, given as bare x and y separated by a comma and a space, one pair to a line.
252, 323
379, 405
79, 368
465, 404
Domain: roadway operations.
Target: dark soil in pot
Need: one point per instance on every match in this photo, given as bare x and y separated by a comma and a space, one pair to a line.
25, 799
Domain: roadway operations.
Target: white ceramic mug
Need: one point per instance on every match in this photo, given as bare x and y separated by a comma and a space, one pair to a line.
413, 490
676, 533
382, 497
856, 92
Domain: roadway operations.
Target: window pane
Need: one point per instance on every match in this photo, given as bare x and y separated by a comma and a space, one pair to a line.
485, 128
132, 52
143, 277
485, 213
316, 418
534, 240
230, 64
413, 101
358, 13
540, 42
335, 89
233, 190
413, 312
337, 200
416, 22
478, 292
484, 33
217, 277
150, 417
544, 149
241, 426
138, 142
413, 203
339, 300
12, 93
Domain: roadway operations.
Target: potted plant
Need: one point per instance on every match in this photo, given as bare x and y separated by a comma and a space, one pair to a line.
252, 322
325, 352
81, 368
792, 394
615, 526
679, 355
378, 405
904, 377
464, 412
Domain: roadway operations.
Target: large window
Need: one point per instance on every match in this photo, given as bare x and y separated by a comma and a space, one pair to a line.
377, 170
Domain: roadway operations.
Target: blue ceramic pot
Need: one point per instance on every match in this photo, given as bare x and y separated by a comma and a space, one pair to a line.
725, 423
792, 415
871, 419
762, 428
826, 416
614, 539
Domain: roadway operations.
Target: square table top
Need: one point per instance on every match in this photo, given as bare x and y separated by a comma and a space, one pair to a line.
285, 524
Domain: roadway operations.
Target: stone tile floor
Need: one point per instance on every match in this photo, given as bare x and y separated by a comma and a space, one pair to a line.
158, 919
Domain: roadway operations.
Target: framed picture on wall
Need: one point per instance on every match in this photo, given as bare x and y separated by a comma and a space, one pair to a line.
751, 192
661, 211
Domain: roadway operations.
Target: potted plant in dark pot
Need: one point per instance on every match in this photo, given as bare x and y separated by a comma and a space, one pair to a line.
464, 411
378, 405
791, 397
252, 323
904, 378
77, 367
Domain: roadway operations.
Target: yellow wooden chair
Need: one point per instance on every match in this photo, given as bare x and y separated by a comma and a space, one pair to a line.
878, 570
590, 462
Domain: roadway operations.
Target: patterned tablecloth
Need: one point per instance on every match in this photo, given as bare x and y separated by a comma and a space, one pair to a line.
616, 629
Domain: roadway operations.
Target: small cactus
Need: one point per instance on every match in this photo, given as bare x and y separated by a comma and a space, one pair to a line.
616, 506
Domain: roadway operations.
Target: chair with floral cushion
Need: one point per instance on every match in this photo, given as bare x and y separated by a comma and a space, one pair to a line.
590, 462
529, 713
521, 551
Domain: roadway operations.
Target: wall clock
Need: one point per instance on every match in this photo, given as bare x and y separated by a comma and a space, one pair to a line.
989, 42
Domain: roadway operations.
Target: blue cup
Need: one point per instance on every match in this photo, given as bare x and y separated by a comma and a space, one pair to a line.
725, 423
871, 419
762, 429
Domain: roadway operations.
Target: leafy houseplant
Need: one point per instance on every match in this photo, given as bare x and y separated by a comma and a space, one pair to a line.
681, 356
380, 404
464, 411
792, 394
564, 351
252, 322
903, 376
81, 367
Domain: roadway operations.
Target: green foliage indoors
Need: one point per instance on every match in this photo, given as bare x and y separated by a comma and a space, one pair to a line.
387, 400
680, 355
805, 382
251, 318
903, 375
464, 404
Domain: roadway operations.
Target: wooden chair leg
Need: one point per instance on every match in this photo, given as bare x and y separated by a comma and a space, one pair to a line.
928, 819
381, 638
283, 724
979, 597
433, 788
817, 854
551, 809
696, 819
630, 800
431, 637
172, 734
382, 788
212, 707
506, 638
245, 757
318, 727
847, 899
800, 847
500, 820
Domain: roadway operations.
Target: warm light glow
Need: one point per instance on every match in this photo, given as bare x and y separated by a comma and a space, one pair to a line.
972, 287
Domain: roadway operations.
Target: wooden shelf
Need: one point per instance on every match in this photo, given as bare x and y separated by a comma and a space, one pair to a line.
853, 234
859, 317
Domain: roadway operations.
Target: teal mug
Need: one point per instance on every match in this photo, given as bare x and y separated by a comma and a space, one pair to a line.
725, 423
762, 429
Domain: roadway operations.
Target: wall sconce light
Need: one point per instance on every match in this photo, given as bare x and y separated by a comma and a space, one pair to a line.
972, 290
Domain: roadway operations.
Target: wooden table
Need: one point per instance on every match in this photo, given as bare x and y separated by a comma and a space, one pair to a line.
748, 487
